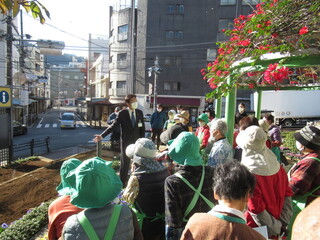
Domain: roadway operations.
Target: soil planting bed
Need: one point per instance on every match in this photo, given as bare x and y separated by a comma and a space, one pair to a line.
28, 185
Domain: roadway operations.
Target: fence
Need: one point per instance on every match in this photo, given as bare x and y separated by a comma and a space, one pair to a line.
34, 143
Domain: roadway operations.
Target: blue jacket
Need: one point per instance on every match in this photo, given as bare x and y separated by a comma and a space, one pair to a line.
157, 120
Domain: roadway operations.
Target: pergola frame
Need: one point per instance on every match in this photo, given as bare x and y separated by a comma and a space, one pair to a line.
251, 65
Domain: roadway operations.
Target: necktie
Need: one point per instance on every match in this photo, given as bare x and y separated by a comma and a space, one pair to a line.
133, 119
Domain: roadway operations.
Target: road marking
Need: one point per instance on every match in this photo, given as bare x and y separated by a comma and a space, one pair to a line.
54, 125
47, 125
39, 126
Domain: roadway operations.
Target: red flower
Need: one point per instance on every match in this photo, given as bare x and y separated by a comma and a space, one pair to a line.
275, 35
250, 31
243, 51
244, 43
209, 64
251, 85
303, 30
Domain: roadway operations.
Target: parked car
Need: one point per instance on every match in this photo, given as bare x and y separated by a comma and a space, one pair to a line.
68, 120
19, 128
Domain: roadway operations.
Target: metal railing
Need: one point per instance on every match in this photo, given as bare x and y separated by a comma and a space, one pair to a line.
34, 143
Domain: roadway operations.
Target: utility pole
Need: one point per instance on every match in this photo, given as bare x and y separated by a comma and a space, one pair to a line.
131, 87
156, 70
9, 81
59, 88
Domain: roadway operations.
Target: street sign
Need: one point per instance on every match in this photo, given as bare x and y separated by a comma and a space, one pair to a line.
5, 97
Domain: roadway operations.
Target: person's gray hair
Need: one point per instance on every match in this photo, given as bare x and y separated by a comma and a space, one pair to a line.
219, 124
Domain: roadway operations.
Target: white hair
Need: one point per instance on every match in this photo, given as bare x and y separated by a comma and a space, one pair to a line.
219, 124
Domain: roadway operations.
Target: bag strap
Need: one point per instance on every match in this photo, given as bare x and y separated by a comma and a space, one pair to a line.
196, 195
113, 222
89, 230
87, 227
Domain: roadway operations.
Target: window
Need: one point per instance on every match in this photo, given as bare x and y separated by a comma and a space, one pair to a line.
211, 54
76, 76
225, 24
67, 76
228, 2
250, 2
37, 56
169, 35
123, 29
171, 86
122, 57
178, 35
174, 35
180, 8
38, 68
121, 84
170, 9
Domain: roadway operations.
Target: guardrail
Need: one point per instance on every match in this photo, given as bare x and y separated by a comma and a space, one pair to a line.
34, 143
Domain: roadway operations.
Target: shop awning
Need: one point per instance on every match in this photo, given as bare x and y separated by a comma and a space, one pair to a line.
178, 101
17, 101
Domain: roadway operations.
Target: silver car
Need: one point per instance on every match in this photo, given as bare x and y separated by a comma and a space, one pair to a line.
68, 120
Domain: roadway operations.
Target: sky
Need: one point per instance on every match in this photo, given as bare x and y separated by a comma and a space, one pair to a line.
70, 21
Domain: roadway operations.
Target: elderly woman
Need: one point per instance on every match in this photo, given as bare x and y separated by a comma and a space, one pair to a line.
219, 149
270, 204
305, 175
145, 190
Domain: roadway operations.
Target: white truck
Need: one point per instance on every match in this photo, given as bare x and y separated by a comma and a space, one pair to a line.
292, 107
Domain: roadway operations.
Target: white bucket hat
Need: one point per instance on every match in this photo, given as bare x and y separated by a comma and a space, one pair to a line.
259, 159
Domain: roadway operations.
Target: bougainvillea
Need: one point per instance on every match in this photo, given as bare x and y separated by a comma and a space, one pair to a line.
275, 26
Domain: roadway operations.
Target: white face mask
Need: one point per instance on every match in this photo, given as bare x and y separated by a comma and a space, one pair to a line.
299, 146
134, 105
159, 109
202, 124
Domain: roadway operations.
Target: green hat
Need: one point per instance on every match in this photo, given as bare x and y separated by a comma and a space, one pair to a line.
96, 184
185, 149
204, 117
66, 186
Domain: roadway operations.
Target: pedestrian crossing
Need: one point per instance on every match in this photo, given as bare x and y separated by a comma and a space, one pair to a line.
55, 125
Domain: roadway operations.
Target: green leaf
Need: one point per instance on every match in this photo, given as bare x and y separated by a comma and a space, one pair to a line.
16, 8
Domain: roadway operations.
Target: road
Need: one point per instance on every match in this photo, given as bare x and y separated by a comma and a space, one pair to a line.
48, 124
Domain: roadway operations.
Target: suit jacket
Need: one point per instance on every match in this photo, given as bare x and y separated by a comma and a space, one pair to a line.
129, 134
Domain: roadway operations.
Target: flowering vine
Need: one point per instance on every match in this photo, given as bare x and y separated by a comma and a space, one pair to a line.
284, 26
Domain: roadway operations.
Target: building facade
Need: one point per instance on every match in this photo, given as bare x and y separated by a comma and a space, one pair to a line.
182, 35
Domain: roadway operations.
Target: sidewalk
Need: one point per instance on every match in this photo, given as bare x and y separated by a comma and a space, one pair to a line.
66, 152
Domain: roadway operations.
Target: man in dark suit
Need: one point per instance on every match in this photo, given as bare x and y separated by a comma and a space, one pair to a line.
131, 123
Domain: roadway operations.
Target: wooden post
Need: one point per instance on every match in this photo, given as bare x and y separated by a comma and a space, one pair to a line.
99, 149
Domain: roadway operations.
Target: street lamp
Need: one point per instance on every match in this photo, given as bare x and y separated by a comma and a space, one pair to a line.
156, 70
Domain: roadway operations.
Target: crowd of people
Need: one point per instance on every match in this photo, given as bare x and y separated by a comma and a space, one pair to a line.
242, 191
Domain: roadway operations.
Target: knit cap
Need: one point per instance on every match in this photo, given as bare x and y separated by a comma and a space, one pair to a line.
143, 147
309, 136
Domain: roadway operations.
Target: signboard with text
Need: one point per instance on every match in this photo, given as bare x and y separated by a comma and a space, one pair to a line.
5, 97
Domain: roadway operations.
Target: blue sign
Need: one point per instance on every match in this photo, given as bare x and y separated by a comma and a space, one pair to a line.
5, 97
